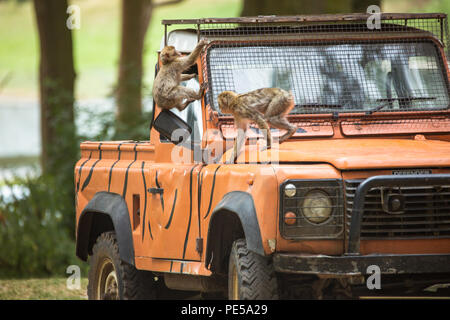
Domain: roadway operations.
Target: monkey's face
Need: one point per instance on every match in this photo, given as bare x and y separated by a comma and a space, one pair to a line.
224, 99
169, 54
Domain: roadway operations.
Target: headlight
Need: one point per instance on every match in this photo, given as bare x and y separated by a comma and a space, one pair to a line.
317, 206
290, 190
311, 209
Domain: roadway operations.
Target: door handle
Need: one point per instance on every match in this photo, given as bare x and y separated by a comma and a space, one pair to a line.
156, 190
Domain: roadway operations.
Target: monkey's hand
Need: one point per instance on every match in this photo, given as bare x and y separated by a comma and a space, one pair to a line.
187, 61
203, 43
230, 160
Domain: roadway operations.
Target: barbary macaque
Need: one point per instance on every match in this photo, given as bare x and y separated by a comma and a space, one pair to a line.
167, 91
267, 106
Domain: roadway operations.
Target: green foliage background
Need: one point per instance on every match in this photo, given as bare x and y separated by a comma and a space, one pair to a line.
37, 221
34, 241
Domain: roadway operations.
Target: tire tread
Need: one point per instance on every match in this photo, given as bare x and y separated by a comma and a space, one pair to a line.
135, 284
257, 275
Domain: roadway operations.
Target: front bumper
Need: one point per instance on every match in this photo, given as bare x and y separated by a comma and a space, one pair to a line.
357, 265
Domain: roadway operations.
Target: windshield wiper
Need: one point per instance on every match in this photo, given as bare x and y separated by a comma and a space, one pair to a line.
388, 101
318, 105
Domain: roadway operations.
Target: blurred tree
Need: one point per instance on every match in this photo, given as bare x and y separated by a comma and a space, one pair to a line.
292, 7
56, 85
362, 5
136, 16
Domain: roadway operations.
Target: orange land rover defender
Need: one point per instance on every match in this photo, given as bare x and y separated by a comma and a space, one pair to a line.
361, 190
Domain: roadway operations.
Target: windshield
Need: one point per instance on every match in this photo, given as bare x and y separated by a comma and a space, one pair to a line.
336, 77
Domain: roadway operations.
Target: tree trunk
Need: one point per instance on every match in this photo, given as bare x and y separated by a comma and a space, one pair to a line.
362, 5
135, 19
56, 84
290, 7
136, 16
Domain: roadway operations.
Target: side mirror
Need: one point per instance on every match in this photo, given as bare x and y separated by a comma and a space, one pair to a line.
172, 127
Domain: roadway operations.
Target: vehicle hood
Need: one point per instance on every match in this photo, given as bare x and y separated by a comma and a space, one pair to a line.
356, 153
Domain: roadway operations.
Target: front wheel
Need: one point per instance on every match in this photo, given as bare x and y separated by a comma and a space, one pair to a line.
250, 276
112, 279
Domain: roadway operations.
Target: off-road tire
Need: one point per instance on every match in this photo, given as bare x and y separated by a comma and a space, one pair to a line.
251, 275
132, 284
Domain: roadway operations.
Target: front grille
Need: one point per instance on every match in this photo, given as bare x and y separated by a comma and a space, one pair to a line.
425, 214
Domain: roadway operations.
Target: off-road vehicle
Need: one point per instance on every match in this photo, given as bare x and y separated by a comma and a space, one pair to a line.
362, 186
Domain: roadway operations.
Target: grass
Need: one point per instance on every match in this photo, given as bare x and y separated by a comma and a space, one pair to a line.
41, 289
18, 49
12, 162
416, 6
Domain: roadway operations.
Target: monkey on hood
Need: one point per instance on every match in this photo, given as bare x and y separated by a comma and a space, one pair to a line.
267, 106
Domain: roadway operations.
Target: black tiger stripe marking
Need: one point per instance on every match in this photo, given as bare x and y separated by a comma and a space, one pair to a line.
156, 179
88, 179
145, 206
190, 216
212, 193
126, 173
79, 171
111, 170
173, 209
161, 196
199, 199
150, 230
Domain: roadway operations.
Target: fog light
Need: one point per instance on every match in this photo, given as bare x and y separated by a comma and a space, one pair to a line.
317, 206
290, 190
290, 218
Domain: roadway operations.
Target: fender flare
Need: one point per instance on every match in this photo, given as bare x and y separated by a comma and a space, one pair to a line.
114, 206
242, 205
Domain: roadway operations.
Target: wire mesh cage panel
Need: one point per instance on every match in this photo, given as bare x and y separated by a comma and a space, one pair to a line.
331, 63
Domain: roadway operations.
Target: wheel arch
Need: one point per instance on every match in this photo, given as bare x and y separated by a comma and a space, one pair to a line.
234, 217
106, 211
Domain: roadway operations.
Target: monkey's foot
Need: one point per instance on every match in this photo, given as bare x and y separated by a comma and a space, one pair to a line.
230, 160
